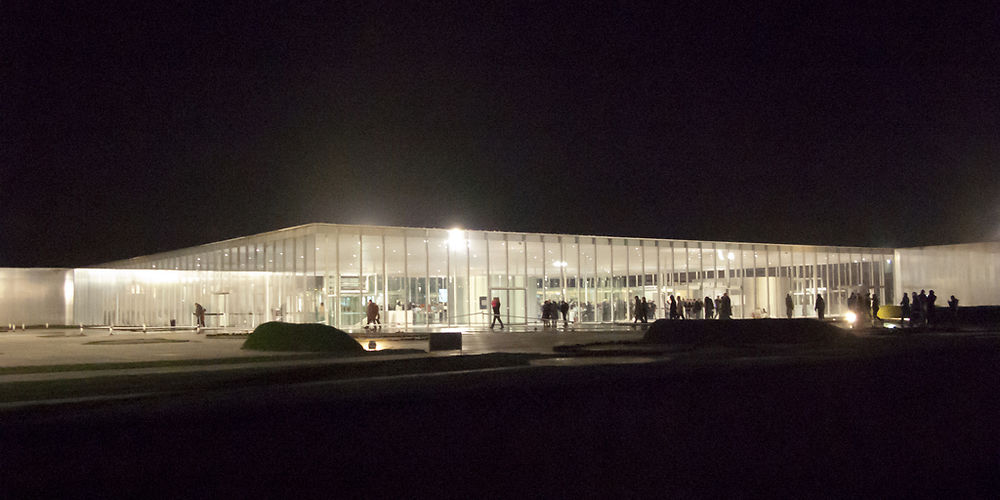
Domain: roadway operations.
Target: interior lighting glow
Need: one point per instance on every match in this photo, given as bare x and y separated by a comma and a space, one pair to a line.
456, 237
68, 289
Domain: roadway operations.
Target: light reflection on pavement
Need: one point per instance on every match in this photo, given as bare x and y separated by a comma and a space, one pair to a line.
594, 360
535, 342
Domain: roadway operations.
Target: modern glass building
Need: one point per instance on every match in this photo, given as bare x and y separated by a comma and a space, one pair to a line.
438, 277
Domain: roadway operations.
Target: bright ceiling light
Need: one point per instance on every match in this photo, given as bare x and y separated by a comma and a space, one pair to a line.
456, 237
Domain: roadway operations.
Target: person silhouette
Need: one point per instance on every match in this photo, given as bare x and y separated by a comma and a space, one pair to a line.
199, 313
496, 312
875, 306
726, 311
953, 309
931, 298
904, 313
372, 314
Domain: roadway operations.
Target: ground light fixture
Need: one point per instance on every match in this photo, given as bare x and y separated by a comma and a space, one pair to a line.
850, 317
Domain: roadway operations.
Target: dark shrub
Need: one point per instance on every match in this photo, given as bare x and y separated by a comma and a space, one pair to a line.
742, 331
310, 337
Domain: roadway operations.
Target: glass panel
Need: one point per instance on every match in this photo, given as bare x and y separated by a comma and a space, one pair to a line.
498, 264
635, 276
372, 281
774, 295
416, 268
535, 280
619, 283
889, 287
553, 269
326, 264
680, 282
459, 301
438, 298
588, 276
395, 269
603, 287
745, 283
695, 275
571, 280
478, 279
836, 296
651, 280
516, 302
667, 277
352, 312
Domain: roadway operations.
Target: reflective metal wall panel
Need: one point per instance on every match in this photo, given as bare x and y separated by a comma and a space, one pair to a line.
970, 272
36, 296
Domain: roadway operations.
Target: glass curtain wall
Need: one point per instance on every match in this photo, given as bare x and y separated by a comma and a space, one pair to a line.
479, 272
570, 269
619, 284
650, 279
438, 262
420, 277
588, 278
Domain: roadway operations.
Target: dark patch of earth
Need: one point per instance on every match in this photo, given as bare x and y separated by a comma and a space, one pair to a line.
135, 341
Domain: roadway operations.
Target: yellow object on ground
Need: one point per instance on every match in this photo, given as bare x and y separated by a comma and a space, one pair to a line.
889, 312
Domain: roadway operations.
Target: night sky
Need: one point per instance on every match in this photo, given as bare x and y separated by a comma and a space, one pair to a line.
132, 129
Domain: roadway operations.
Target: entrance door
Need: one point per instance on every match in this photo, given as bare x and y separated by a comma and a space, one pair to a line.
220, 308
511, 305
352, 311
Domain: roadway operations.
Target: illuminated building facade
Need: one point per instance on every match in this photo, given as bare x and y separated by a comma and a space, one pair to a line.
436, 277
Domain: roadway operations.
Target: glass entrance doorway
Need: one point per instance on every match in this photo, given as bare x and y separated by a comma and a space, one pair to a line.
219, 308
352, 310
511, 305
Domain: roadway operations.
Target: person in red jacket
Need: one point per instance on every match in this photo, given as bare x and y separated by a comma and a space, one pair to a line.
496, 312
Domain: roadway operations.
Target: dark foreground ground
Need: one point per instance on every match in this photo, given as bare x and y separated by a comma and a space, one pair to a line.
914, 418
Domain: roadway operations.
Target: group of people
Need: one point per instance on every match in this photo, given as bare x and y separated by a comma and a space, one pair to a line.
719, 308
922, 310
551, 309
865, 307
642, 310
819, 306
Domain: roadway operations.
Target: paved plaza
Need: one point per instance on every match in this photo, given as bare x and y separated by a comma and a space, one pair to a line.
46, 347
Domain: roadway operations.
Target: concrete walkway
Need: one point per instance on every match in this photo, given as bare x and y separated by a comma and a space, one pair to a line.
46, 348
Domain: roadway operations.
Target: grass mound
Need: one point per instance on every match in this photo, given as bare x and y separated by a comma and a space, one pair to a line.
307, 337
742, 331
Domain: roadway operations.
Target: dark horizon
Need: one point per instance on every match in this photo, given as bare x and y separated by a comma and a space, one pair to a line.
130, 130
